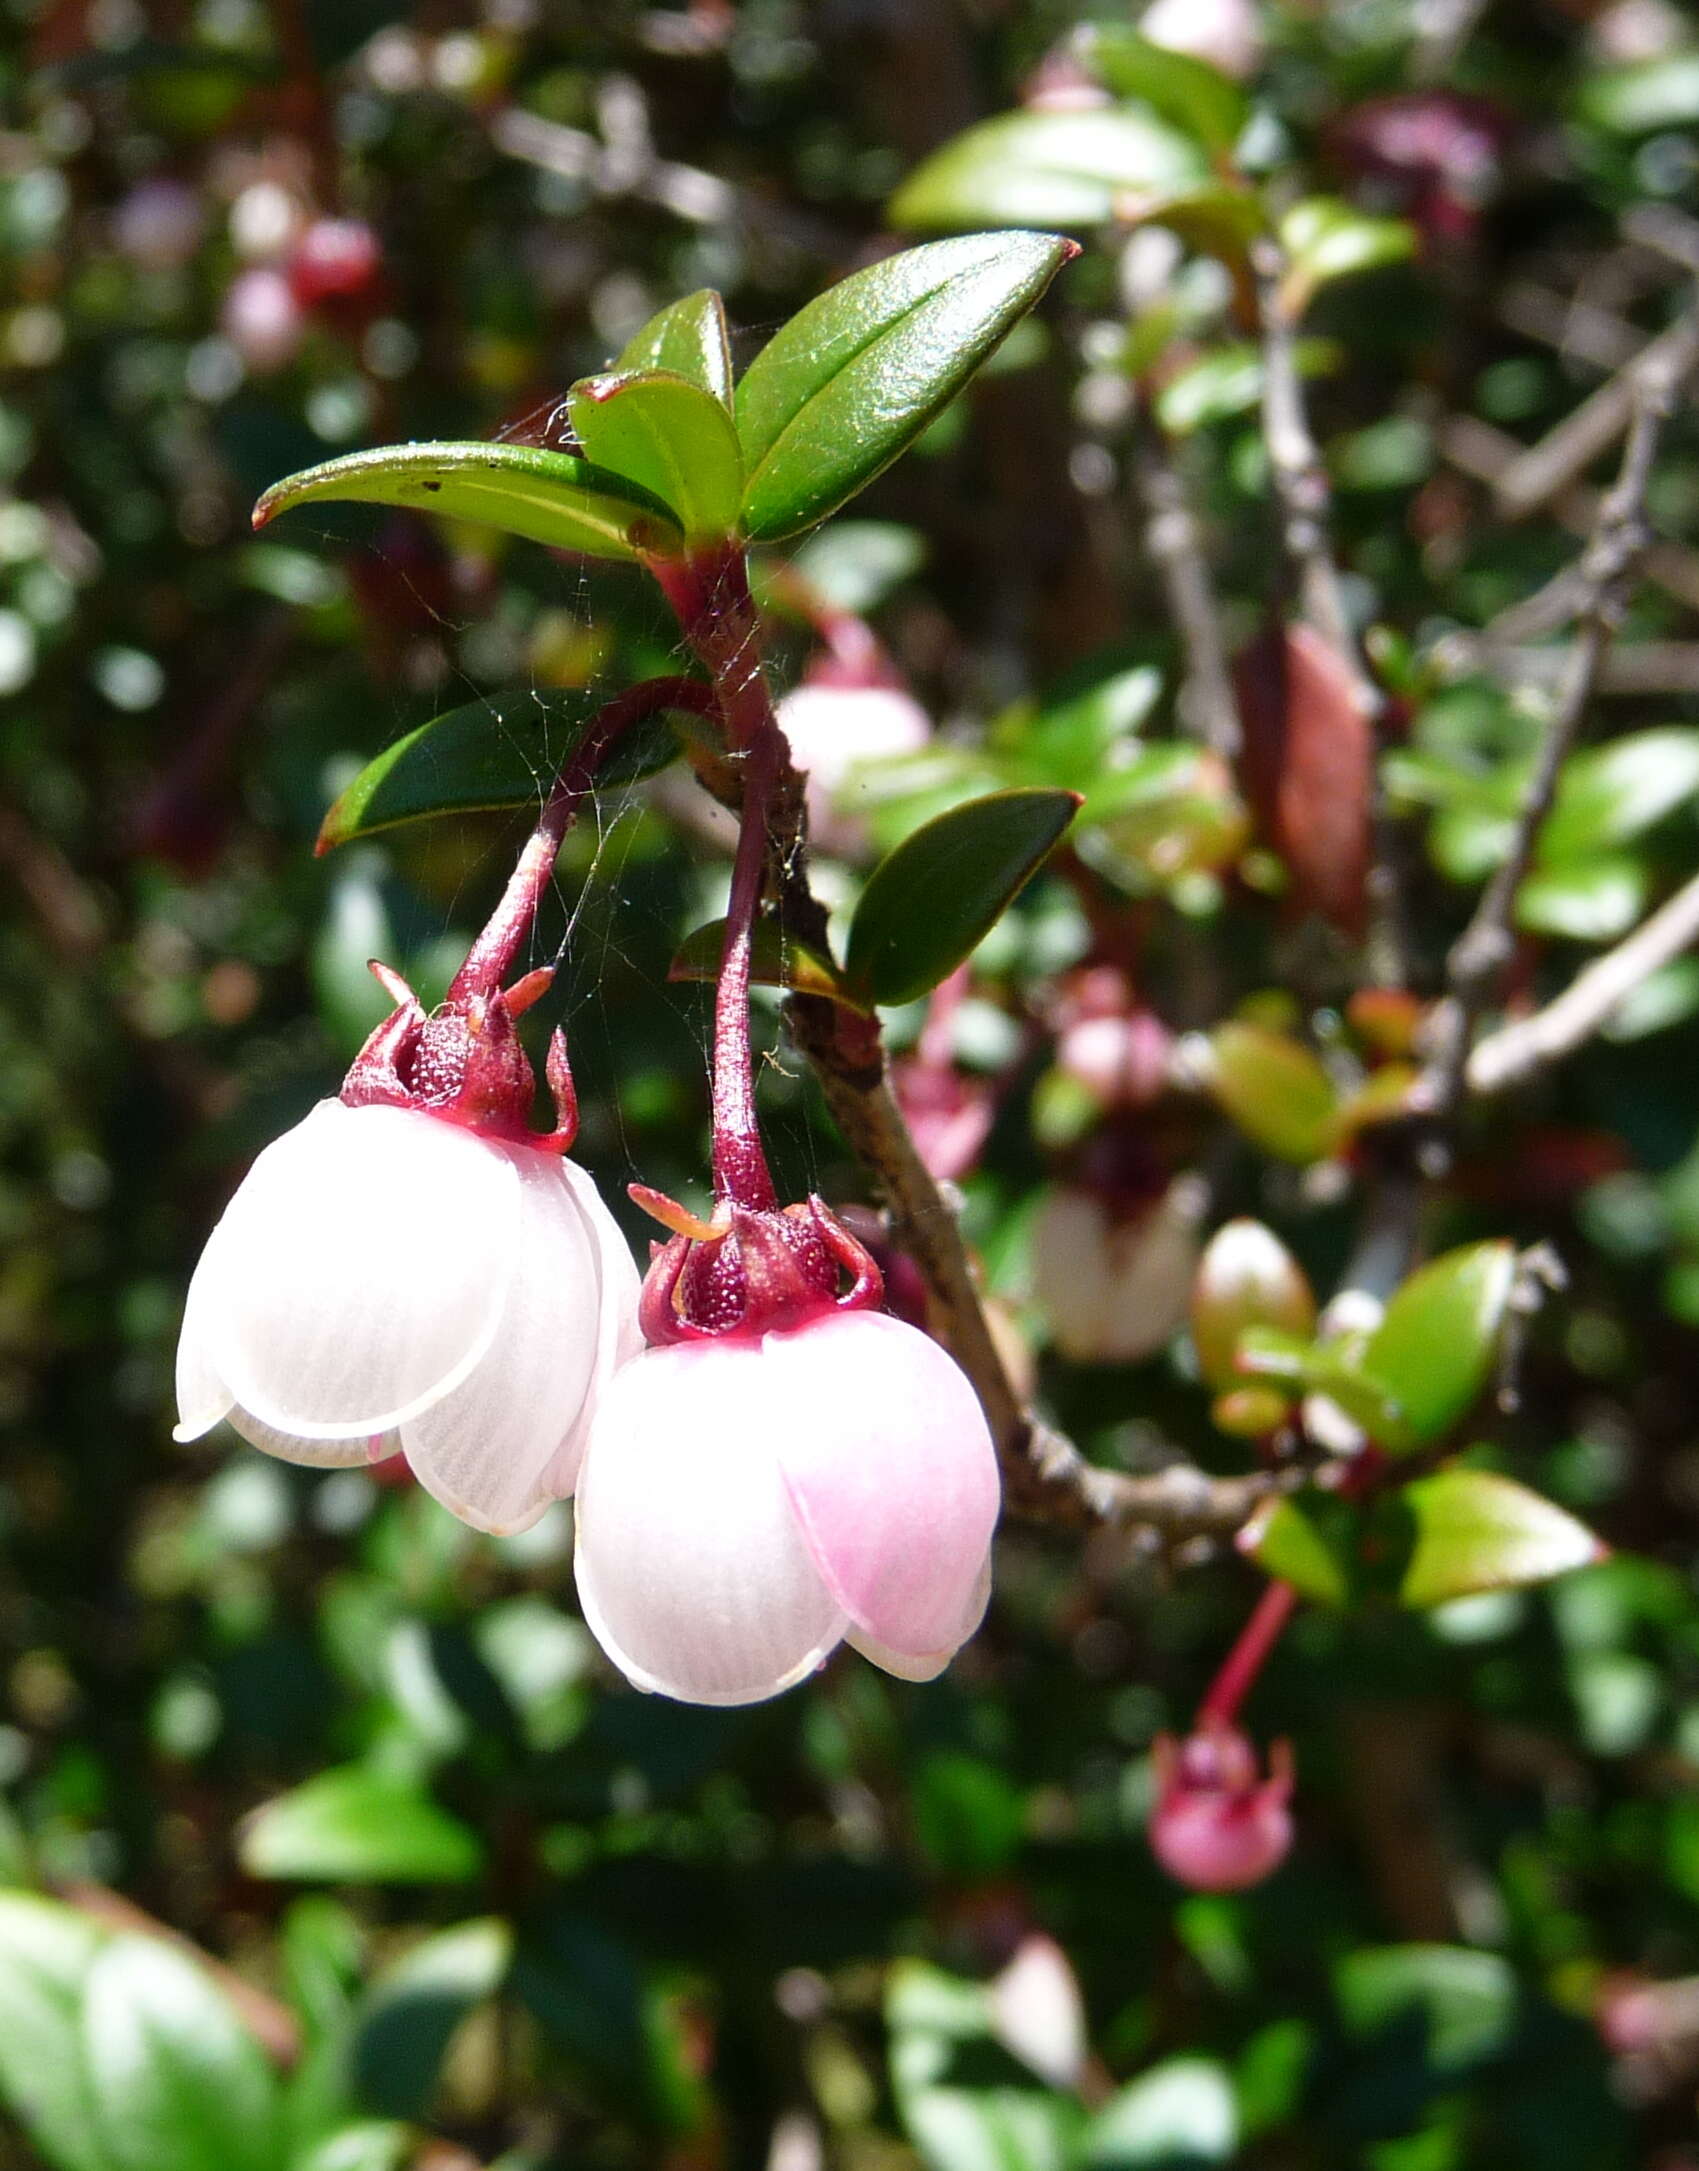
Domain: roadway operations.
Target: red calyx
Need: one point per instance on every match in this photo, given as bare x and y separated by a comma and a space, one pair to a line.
465, 1062
1218, 1824
750, 1271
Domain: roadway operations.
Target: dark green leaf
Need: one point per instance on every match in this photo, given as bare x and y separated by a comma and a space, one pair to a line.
551, 497
968, 1816
1434, 1350
933, 900
777, 960
1178, 2116
689, 338
501, 751
46, 1952
408, 2018
1076, 170
1275, 1089
671, 438
840, 390
1284, 1541
356, 1825
1197, 98
177, 2082
1476, 1531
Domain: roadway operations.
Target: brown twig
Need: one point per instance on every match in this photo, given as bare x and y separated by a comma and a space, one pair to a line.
1517, 1052
1609, 567
1175, 544
1304, 497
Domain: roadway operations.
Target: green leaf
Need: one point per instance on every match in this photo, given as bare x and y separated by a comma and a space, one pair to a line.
1476, 1531
1228, 382
1179, 2115
1434, 1350
177, 2082
1466, 2001
1275, 1089
1075, 170
1592, 900
1197, 98
969, 1816
777, 960
46, 1952
688, 337
856, 564
840, 390
1612, 794
1327, 239
497, 752
370, 2145
1246, 1278
550, 497
1649, 95
671, 438
1284, 1541
409, 2016
931, 902
356, 1825
966, 2104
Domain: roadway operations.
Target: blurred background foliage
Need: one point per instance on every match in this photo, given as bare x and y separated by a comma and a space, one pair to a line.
465, 1897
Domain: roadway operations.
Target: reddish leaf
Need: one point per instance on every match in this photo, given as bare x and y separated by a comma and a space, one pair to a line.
1307, 768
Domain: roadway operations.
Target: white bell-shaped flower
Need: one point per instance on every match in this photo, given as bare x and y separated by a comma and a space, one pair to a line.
386, 1281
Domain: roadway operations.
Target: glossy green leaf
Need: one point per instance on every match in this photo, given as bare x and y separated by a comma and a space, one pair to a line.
965, 2104
176, 2080
1612, 794
46, 1952
1434, 1350
1178, 2116
372, 2144
1476, 1531
1275, 1089
839, 391
1327, 239
1589, 900
931, 902
550, 497
1075, 170
411, 2013
1288, 1545
1246, 1278
671, 438
1463, 2002
687, 337
498, 752
1198, 99
776, 960
357, 1825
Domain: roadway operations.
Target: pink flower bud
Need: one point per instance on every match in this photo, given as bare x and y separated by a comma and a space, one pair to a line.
750, 1500
335, 261
389, 1280
833, 730
261, 320
1218, 1825
1226, 33
1121, 1060
159, 224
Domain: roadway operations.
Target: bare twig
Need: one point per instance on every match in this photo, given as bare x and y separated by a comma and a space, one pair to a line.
1609, 567
1518, 1051
1305, 499
1176, 549
1642, 668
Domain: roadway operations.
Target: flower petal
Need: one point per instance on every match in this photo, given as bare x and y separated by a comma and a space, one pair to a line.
202, 1397
485, 1450
621, 1335
890, 1468
347, 1454
692, 1573
930, 1664
363, 1269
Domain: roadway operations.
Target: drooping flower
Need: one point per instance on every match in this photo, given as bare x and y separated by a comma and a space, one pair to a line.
836, 727
1218, 1824
784, 1471
410, 1270
1226, 33
1113, 1275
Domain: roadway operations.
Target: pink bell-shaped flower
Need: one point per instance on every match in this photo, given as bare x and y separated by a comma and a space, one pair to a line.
1218, 1825
786, 1471
410, 1270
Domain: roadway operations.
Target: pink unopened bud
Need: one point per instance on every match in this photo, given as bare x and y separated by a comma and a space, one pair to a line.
949, 1114
1431, 154
834, 731
1226, 33
1218, 1825
335, 261
1121, 1060
751, 1500
261, 319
